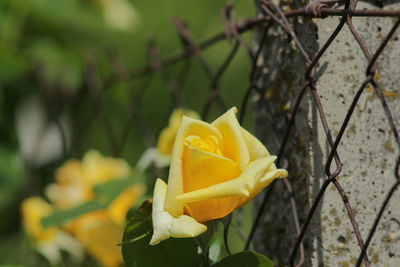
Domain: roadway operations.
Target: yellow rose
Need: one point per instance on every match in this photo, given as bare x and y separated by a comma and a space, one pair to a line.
99, 169
75, 180
100, 236
33, 210
49, 242
215, 169
71, 187
99, 231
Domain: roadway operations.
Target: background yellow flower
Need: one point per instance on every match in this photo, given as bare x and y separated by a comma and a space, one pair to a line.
99, 231
49, 242
166, 139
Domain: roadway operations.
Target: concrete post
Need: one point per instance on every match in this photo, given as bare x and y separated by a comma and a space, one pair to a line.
368, 149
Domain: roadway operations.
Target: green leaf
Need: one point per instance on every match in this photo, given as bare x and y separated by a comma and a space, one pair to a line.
171, 252
245, 259
139, 223
59, 217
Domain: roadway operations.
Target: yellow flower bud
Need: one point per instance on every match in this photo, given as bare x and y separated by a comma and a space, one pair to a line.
166, 139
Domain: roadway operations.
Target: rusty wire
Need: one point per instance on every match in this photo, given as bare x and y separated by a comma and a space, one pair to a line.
272, 15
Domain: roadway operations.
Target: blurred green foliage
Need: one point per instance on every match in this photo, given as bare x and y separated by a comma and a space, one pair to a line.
66, 54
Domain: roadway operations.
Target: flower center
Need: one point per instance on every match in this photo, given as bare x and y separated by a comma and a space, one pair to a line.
209, 144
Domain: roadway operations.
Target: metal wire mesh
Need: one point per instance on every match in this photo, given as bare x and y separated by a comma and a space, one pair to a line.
272, 15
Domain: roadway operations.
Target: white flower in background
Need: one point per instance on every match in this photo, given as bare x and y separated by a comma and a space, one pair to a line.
40, 140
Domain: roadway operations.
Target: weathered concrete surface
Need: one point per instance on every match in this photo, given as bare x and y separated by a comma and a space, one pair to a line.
368, 150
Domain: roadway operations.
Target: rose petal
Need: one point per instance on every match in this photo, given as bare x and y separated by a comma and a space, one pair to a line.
234, 146
166, 140
165, 225
241, 186
264, 182
203, 169
188, 127
99, 169
211, 209
99, 237
236, 187
118, 209
256, 148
